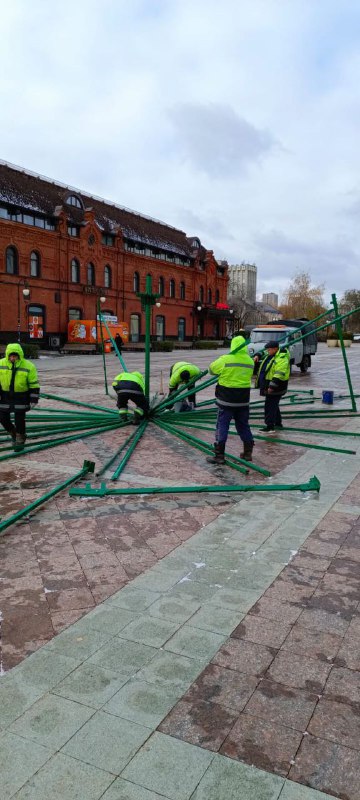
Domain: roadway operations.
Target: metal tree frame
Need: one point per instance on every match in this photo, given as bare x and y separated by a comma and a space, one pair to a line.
50, 427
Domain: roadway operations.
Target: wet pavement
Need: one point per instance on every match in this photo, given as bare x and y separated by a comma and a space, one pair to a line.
229, 634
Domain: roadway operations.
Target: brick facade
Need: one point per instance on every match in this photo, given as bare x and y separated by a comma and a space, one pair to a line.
103, 235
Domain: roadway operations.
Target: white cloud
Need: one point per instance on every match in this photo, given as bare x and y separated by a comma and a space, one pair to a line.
236, 120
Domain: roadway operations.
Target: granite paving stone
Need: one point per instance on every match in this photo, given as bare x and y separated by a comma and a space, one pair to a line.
320, 620
283, 705
133, 599
277, 610
91, 685
78, 643
293, 791
216, 618
243, 656
328, 767
123, 656
107, 619
51, 721
15, 698
172, 671
141, 702
19, 760
66, 778
302, 672
124, 790
262, 744
150, 630
343, 685
262, 631
200, 723
224, 686
107, 742
194, 642
168, 766
315, 644
338, 722
174, 609
230, 780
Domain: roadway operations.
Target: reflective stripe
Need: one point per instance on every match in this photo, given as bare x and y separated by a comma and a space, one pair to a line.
4, 367
22, 369
230, 405
129, 391
20, 408
238, 364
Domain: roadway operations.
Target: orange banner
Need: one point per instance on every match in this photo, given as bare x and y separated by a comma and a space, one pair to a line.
84, 331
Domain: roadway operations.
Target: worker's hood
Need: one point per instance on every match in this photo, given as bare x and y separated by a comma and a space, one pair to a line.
14, 348
139, 375
236, 342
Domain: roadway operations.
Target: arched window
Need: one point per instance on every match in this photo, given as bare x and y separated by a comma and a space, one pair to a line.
217, 296
182, 290
12, 263
75, 313
75, 271
35, 264
107, 277
161, 289
136, 284
201, 294
90, 274
135, 327
172, 288
209, 297
74, 201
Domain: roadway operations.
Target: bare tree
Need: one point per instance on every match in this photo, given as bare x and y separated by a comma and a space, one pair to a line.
301, 299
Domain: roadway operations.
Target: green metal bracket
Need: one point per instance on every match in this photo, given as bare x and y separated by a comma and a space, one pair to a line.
88, 467
313, 485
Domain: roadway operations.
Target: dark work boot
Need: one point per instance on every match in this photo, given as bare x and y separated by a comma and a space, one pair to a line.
219, 455
20, 441
247, 451
13, 434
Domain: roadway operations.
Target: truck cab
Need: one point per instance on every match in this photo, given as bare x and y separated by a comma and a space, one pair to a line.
288, 333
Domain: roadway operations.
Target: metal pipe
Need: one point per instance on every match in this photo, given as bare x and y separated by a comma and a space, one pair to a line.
102, 345
117, 351
130, 451
338, 327
77, 403
55, 442
200, 445
313, 485
88, 466
111, 460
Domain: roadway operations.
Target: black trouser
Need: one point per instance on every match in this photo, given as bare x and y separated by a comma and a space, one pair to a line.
272, 411
5, 421
137, 397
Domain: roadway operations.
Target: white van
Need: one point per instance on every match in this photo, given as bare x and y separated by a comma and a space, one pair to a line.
287, 332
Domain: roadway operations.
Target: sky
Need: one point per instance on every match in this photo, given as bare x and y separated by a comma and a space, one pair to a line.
236, 121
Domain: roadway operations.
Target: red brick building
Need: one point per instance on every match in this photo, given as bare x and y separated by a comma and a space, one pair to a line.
61, 248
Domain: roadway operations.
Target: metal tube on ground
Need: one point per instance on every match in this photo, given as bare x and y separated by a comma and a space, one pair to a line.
88, 466
111, 460
338, 327
313, 485
56, 442
130, 451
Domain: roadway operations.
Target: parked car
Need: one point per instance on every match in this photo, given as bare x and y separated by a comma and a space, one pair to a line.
356, 337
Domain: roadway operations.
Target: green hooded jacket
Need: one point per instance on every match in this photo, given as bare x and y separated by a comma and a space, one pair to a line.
235, 371
124, 382
19, 385
176, 371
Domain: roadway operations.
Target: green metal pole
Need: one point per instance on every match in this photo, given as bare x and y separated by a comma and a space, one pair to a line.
78, 403
203, 446
56, 442
338, 327
130, 451
117, 351
313, 485
113, 458
148, 289
184, 391
88, 466
102, 345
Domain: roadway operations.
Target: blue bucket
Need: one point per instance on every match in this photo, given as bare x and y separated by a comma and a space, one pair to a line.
328, 397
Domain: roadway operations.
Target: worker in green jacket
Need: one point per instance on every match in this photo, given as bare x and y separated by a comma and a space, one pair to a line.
272, 380
19, 391
183, 372
131, 386
232, 396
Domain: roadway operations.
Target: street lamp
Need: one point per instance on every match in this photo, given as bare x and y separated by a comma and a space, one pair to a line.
26, 293
158, 305
99, 300
198, 308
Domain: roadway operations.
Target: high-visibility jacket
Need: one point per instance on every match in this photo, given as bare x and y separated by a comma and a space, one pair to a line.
177, 369
235, 371
274, 372
129, 382
19, 385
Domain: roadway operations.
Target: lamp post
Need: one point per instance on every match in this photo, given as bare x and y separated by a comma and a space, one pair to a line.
148, 299
99, 299
26, 293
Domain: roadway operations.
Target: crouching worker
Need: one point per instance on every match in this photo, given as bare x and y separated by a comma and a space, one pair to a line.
131, 386
272, 380
182, 372
232, 395
19, 391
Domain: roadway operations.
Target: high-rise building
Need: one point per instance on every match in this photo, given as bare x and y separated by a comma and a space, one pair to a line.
242, 281
271, 299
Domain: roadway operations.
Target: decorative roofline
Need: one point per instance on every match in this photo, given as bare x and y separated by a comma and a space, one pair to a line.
86, 194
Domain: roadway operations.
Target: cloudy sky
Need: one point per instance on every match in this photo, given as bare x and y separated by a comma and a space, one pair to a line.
235, 120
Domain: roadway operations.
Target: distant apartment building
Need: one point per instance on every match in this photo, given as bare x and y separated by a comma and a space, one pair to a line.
271, 299
242, 281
